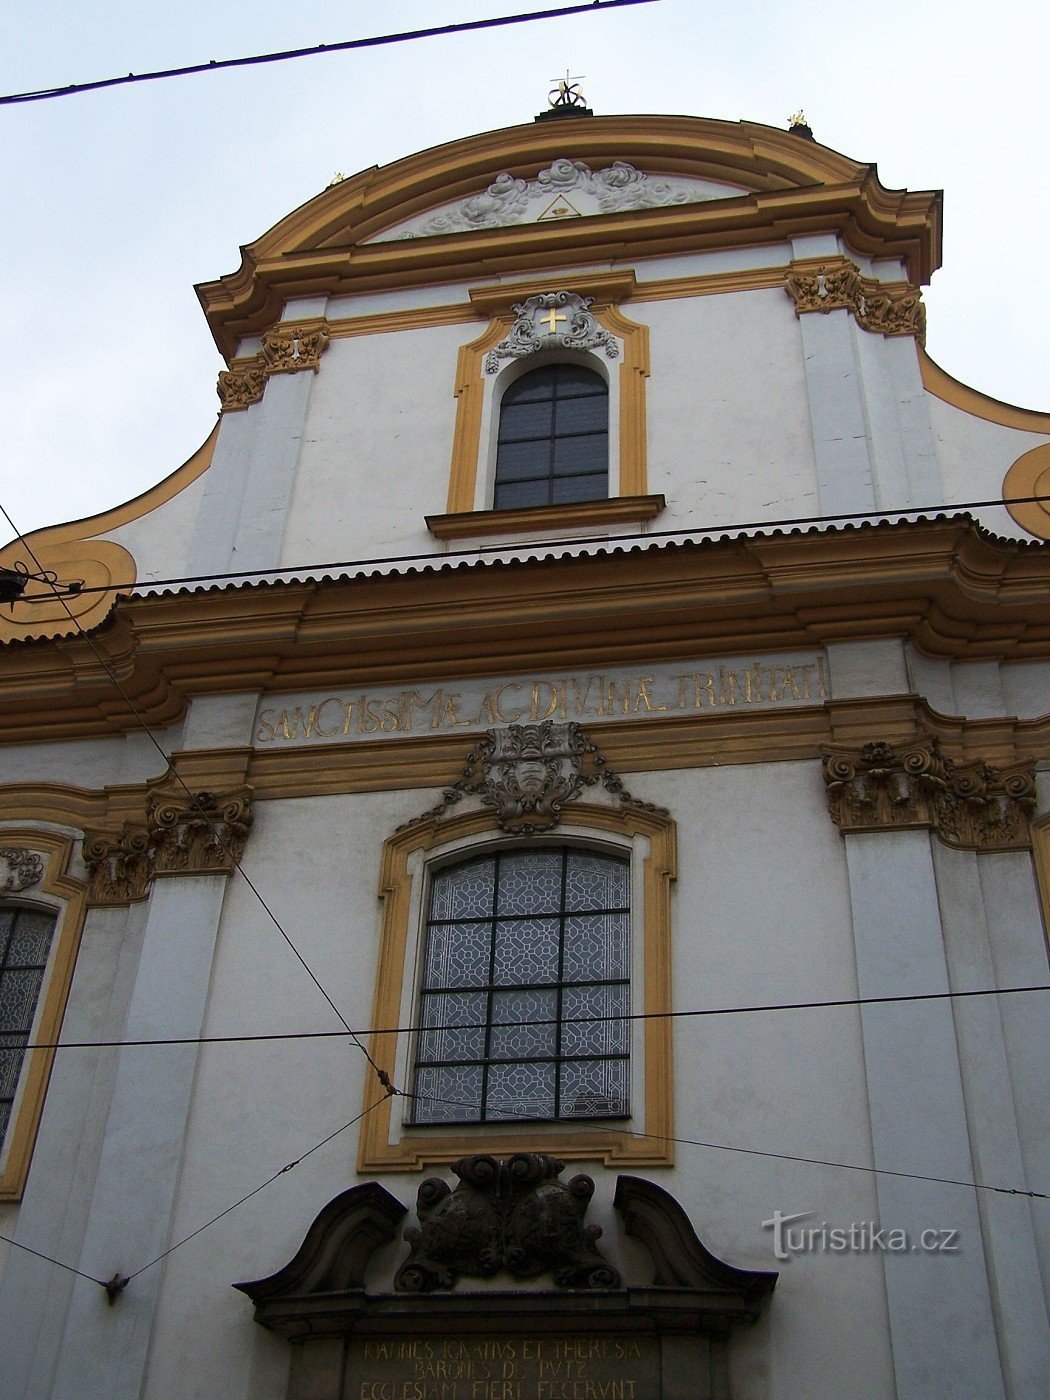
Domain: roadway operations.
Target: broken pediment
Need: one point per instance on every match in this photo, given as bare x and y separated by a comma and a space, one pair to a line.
661, 1336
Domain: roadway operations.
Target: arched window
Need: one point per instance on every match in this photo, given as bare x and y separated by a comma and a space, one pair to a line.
25, 942
553, 444
526, 970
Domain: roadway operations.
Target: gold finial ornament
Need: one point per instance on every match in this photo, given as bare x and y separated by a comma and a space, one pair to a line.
798, 118
337, 179
567, 92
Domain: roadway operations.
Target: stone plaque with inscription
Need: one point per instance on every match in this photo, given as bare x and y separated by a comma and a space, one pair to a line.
513, 1366
662, 1337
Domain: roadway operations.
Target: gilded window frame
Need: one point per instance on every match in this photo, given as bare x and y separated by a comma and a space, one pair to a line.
66, 897
647, 1143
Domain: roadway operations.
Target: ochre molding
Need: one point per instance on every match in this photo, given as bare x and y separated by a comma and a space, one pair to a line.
288, 348
945, 585
64, 895
792, 187
180, 832
1030, 476
1041, 857
618, 510
943, 386
836, 284
472, 380
604, 288
419, 1147
972, 806
73, 551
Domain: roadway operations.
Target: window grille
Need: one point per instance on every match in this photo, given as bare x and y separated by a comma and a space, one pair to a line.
526, 989
25, 941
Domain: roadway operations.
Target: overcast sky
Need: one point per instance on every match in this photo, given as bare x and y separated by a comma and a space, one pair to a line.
117, 202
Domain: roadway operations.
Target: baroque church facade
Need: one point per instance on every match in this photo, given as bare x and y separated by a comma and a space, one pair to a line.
430, 815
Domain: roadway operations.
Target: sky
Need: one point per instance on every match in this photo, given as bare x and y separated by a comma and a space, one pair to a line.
118, 201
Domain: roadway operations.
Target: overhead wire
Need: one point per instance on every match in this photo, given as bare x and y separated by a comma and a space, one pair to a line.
284, 55
592, 1126
249, 1038
524, 549
198, 807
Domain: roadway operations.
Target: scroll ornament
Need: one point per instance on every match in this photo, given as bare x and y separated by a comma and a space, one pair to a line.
528, 773
514, 1215
971, 806
285, 350
552, 321
202, 833
884, 308
24, 869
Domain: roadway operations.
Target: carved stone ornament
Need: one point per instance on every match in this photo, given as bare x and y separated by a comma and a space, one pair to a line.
118, 865
202, 835
837, 285
552, 321
971, 806
24, 869
660, 1332
239, 388
514, 1216
289, 349
566, 189
528, 772
285, 350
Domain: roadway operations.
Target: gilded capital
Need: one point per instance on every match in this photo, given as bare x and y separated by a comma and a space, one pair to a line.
201, 833
118, 866
289, 349
240, 387
836, 284
182, 833
971, 806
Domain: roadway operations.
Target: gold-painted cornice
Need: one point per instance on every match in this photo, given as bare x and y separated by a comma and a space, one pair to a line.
794, 187
945, 585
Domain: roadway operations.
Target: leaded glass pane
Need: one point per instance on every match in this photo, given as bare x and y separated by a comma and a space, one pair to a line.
523, 461
464, 892
18, 993
536, 384
524, 1025
582, 415
516, 495
574, 380
586, 1028
449, 1095
5, 1114
527, 420
595, 948
530, 883
455, 1025
575, 455
567, 489
595, 882
545, 942
526, 951
458, 955
521, 1091
593, 1088
11, 1057
30, 939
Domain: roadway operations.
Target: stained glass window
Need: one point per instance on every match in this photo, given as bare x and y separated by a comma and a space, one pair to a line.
25, 940
526, 989
553, 445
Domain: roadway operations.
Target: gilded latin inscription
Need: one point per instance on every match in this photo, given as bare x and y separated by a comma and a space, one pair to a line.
585, 697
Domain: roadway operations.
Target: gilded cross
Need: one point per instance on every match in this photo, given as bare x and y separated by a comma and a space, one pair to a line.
551, 319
